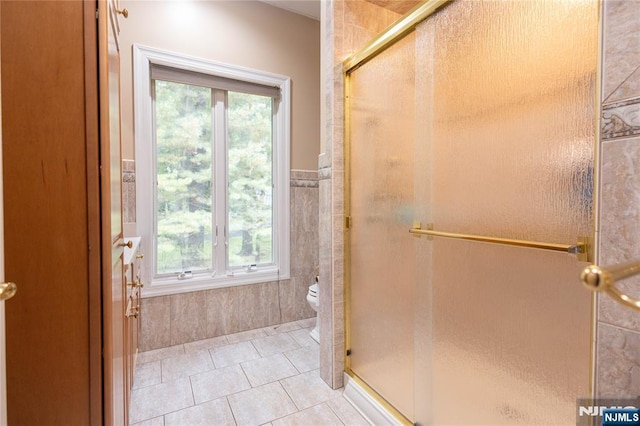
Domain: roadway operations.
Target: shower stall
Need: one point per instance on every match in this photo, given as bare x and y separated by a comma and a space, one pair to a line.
470, 145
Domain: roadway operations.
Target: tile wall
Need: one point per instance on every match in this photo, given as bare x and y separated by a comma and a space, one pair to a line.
618, 327
182, 318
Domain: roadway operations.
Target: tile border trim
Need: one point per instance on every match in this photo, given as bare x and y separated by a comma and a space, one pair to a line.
304, 179
621, 119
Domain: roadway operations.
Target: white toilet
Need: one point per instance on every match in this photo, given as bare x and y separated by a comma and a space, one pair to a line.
312, 298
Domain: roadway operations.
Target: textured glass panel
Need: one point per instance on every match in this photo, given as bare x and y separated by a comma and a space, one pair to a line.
504, 148
183, 166
423, 252
382, 94
511, 335
250, 136
496, 140
514, 118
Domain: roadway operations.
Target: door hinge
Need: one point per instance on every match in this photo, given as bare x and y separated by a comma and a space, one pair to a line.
347, 222
348, 352
97, 13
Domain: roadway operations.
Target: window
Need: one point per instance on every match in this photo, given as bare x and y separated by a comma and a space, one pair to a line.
212, 160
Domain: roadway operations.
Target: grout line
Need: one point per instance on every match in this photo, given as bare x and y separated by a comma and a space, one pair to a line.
286, 392
620, 85
193, 395
246, 377
215, 367
620, 327
334, 411
231, 409
211, 359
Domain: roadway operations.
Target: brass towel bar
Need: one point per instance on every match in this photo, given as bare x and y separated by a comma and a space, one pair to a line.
600, 279
595, 278
580, 249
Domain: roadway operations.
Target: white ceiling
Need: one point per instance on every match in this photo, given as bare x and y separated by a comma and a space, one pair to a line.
308, 8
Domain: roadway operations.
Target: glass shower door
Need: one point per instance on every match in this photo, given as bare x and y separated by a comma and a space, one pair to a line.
480, 122
381, 325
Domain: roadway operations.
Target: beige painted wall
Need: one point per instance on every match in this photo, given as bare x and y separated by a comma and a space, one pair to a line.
245, 33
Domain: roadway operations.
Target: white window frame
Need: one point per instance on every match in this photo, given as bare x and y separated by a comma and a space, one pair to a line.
143, 58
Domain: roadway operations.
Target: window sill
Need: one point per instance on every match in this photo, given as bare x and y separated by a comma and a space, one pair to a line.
168, 286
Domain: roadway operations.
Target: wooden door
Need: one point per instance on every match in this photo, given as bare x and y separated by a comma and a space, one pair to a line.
114, 302
3, 363
3, 377
51, 212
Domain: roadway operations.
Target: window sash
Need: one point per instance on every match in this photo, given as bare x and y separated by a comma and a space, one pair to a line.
192, 144
220, 256
264, 152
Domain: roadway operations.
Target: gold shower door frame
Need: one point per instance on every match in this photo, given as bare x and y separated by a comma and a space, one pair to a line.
386, 39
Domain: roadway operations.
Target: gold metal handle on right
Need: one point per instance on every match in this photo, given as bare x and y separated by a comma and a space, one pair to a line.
599, 279
8, 290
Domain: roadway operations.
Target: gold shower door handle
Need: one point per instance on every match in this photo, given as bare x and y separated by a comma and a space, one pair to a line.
7, 290
599, 279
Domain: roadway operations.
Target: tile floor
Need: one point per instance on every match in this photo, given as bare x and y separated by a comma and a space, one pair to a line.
268, 376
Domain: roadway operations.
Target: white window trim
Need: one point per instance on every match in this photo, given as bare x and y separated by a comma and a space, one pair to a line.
143, 57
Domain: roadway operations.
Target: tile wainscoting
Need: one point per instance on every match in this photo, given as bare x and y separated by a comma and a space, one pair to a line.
187, 317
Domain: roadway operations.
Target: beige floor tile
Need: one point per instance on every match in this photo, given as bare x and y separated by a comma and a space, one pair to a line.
275, 344
210, 413
233, 354
347, 412
157, 400
158, 354
217, 383
302, 337
308, 389
157, 421
282, 328
266, 370
199, 345
221, 372
186, 365
246, 335
304, 359
307, 323
147, 374
318, 415
261, 405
